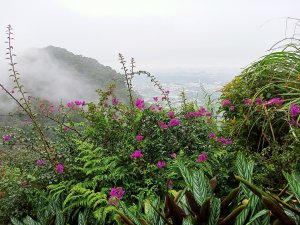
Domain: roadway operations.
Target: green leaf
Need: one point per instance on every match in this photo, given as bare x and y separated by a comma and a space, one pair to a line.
215, 208
293, 184
257, 215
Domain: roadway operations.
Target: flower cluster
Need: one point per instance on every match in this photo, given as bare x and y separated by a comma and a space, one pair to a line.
274, 101
173, 155
75, 103
6, 137
202, 157
136, 154
171, 114
114, 101
161, 164
115, 195
224, 141
212, 135
294, 112
139, 103
201, 112
248, 102
40, 162
60, 168
139, 137
163, 125
225, 103
174, 122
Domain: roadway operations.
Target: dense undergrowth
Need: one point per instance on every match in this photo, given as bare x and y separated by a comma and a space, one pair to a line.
115, 162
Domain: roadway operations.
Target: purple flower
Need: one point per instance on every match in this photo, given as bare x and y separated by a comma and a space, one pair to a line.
155, 99
6, 137
161, 164
225, 103
294, 110
202, 157
115, 101
212, 135
171, 114
173, 155
174, 122
136, 154
139, 137
40, 162
115, 195
60, 168
248, 102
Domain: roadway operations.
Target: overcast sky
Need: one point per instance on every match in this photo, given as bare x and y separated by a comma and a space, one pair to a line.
159, 34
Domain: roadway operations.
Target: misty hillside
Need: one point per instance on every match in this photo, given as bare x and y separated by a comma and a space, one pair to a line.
57, 75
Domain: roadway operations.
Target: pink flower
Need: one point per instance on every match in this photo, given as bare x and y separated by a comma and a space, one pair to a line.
171, 114
139, 137
60, 168
248, 102
164, 127
294, 110
6, 137
161, 123
136, 154
139, 103
114, 101
224, 141
77, 102
116, 194
259, 101
161, 164
212, 135
229, 142
51, 109
66, 128
170, 183
274, 101
155, 99
173, 155
71, 105
225, 103
167, 92
40, 162
202, 157
159, 108
232, 108
174, 122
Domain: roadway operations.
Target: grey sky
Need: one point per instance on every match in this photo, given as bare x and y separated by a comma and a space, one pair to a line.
159, 34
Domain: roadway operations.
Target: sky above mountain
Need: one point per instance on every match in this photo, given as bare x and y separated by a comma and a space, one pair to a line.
159, 34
